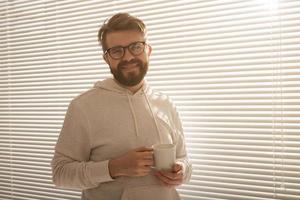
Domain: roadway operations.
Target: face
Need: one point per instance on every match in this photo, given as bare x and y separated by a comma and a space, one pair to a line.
130, 70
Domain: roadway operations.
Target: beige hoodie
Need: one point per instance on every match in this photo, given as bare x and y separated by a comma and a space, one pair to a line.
106, 122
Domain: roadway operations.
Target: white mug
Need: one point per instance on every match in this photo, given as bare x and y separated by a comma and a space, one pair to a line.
164, 156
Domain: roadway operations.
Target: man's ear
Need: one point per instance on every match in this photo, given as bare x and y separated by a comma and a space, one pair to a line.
105, 58
149, 50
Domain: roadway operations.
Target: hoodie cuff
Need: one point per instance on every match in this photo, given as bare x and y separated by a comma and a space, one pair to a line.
99, 172
187, 170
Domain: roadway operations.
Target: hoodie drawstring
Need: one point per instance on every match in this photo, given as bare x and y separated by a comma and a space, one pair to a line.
154, 118
112, 85
133, 115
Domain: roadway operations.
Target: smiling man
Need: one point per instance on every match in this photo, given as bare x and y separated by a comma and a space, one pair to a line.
104, 147
128, 67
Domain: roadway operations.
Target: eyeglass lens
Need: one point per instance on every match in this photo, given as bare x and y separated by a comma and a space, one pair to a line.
135, 49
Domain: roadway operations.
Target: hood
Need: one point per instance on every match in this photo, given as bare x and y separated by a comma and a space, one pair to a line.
111, 84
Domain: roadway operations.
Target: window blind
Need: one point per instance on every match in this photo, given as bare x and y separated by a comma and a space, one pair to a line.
231, 67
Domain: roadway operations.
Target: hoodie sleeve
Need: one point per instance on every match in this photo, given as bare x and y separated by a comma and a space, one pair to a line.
71, 167
181, 154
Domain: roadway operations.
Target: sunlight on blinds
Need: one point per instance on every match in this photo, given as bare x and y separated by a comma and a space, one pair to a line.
231, 67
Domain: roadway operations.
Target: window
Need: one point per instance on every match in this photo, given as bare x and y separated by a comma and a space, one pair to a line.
232, 68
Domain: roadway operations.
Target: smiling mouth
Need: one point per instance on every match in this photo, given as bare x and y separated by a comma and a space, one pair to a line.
130, 67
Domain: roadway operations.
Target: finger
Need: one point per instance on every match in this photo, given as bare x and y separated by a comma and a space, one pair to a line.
143, 171
143, 149
167, 181
176, 167
171, 175
146, 163
146, 168
145, 155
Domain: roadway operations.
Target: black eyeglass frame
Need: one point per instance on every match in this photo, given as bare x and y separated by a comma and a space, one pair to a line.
124, 49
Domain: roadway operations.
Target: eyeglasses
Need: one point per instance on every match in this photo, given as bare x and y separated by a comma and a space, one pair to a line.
135, 48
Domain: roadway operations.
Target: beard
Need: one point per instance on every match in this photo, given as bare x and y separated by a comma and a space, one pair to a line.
130, 78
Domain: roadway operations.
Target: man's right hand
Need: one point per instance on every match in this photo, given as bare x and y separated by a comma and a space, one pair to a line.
137, 162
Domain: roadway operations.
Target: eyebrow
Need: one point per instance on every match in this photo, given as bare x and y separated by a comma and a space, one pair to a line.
126, 45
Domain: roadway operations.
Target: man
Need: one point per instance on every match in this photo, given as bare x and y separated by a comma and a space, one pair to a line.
104, 147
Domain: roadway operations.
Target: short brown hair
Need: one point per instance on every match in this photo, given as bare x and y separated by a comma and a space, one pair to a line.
120, 22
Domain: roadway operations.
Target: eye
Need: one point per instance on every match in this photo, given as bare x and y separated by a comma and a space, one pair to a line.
116, 50
136, 47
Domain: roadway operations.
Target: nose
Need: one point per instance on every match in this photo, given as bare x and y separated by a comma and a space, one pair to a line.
127, 55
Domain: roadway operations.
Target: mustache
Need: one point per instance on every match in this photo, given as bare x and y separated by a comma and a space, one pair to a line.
132, 61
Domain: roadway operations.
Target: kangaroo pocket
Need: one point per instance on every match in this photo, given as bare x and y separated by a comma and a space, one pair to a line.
150, 192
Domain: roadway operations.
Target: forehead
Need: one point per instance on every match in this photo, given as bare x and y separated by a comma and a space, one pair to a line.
123, 38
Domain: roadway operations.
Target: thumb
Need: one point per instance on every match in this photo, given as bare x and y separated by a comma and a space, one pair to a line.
177, 167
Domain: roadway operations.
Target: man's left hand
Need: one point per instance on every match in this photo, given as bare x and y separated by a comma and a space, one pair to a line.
171, 178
